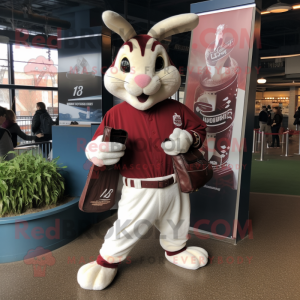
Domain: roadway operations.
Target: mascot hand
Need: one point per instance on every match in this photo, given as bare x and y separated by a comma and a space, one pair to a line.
104, 153
180, 142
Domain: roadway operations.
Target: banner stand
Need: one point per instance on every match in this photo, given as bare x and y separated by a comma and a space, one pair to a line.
220, 89
84, 55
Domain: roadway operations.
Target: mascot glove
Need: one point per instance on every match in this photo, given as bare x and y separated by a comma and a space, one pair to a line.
180, 142
104, 153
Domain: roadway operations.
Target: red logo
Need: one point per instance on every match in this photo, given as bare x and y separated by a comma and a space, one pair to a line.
39, 258
39, 68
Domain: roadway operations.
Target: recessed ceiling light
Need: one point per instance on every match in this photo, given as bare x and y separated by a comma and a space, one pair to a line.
279, 7
261, 81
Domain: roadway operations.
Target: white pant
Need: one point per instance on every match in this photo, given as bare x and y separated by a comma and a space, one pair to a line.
168, 209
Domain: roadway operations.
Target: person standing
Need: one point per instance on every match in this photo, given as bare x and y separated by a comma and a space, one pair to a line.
297, 119
6, 144
42, 123
11, 125
278, 117
263, 119
42, 128
268, 127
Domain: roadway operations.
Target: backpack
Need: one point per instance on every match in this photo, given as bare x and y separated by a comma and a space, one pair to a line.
46, 123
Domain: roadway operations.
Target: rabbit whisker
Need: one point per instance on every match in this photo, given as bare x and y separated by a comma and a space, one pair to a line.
116, 78
166, 75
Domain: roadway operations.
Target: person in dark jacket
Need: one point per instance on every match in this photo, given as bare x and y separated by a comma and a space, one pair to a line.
14, 129
36, 123
277, 120
297, 118
6, 144
263, 119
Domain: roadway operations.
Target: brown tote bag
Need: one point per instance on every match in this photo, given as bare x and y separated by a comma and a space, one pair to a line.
100, 188
192, 170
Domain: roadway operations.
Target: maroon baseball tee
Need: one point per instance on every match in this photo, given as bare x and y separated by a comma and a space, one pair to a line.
144, 157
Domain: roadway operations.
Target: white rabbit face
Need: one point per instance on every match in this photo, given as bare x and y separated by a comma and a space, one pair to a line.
142, 80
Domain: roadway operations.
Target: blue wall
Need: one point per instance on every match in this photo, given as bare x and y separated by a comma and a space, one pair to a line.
69, 143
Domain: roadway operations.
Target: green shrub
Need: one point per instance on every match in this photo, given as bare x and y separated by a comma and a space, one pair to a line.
29, 181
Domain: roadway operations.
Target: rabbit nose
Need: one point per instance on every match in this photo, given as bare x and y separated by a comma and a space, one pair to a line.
142, 80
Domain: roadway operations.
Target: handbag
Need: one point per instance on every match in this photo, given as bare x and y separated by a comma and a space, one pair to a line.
192, 170
100, 188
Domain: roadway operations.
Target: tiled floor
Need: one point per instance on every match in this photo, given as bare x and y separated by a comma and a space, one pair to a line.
265, 267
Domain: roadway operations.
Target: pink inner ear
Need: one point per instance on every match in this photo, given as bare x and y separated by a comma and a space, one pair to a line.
142, 80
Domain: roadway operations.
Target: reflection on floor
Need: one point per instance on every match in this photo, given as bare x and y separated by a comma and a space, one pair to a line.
265, 267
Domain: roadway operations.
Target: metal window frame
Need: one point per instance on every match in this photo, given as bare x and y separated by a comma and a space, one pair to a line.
11, 86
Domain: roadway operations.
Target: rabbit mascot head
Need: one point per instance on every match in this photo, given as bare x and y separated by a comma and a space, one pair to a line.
142, 73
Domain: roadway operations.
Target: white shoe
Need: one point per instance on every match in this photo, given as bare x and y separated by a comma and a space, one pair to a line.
192, 258
95, 277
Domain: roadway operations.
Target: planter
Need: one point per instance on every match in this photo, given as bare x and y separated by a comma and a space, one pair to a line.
49, 229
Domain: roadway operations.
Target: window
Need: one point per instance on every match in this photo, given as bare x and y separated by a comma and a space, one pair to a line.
35, 66
3, 64
5, 98
32, 67
26, 107
26, 101
181, 96
3, 51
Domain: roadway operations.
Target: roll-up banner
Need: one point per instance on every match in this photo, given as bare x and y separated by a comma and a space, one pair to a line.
220, 89
80, 79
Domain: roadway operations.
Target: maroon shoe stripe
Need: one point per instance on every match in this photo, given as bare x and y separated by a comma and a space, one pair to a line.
176, 252
102, 262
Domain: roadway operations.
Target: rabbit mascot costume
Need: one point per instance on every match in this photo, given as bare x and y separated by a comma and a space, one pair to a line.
145, 78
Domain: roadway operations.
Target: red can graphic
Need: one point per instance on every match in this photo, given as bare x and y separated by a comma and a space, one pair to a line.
215, 99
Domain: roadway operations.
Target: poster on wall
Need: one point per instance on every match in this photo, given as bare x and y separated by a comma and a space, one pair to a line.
218, 69
80, 81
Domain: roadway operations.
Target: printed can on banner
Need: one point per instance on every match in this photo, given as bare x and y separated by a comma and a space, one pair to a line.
215, 101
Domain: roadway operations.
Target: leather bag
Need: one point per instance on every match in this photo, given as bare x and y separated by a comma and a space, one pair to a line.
192, 170
100, 188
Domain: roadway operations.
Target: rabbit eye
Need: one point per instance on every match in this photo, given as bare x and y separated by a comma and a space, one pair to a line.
125, 65
159, 64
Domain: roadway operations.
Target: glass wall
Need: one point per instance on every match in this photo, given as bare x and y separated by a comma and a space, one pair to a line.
26, 101
3, 64
35, 66
28, 76
5, 98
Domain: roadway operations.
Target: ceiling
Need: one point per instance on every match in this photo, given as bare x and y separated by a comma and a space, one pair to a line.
278, 30
280, 33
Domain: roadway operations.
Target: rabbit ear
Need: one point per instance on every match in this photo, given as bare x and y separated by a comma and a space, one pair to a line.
174, 25
119, 25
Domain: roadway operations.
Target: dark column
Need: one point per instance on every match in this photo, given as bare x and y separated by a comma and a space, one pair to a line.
107, 98
11, 76
126, 9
